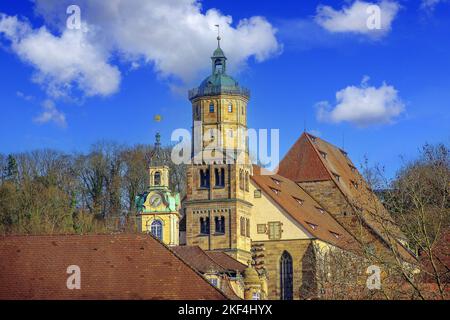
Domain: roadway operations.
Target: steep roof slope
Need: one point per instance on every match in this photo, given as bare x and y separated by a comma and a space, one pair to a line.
198, 259
211, 261
308, 151
112, 267
304, 209
226, 261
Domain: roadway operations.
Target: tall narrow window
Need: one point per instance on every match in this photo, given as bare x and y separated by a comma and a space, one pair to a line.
204, 178
211, 107
156, 229
247, 179
286, 277
220, 224
230, 108
247, 228
204, 225
241, 179
242, 225
219, 174
157, 178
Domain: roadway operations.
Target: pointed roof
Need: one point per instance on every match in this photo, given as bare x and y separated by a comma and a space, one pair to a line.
314, 159
156, 156
218, 82
296, 202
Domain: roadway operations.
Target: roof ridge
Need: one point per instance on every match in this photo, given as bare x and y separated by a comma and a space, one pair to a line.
188, 265
223, 253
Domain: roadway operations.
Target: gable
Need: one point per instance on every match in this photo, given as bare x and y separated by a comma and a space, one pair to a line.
302, 163
307, 212
265, 210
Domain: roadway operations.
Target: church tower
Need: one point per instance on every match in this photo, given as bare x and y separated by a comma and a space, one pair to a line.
217, 206
157, 208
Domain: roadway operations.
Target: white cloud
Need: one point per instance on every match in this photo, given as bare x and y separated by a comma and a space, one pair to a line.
358, 18
24, 96
430, 5
176, 37
363, 105
51, 114
62, 63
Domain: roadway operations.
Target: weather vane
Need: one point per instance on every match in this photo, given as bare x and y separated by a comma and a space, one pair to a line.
218, 33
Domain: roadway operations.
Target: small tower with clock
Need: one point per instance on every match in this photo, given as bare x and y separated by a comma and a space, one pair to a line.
158, 207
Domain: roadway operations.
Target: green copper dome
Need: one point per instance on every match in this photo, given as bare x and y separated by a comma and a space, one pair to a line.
219, 81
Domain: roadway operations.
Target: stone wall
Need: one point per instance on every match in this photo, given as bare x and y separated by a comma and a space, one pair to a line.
302, 255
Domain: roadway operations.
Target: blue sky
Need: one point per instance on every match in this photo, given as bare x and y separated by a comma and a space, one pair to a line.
295, 60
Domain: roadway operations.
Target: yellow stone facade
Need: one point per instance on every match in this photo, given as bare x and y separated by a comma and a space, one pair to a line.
158, 207
217, 206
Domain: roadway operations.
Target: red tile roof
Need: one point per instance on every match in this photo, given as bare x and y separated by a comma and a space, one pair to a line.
307, 213
198, 259
304, 163
112, 267
211, 262
226, 261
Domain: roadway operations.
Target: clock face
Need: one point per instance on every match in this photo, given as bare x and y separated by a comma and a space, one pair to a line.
155, 200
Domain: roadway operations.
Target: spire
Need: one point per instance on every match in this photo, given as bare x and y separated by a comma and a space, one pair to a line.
218, 58
156, 155
218, 35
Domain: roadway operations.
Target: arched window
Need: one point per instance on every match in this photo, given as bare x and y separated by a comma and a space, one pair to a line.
157, 178
219, 177
242, 225
286, 277
220, 224
156, 229
247, 228
246, 181
204, 225
204, 178
241, 179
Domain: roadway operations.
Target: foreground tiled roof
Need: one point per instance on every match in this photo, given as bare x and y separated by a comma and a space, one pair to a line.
208, 261
314, 159
211, 262
198, 259
112, 267
304, 209
226, 261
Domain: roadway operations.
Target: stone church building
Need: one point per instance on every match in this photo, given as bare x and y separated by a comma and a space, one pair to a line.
274, 224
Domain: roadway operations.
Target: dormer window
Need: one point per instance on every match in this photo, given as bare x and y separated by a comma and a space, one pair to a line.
334, 234
276, 191
277, 182
336, 176
323, 154
344, 153
312, 225
320, 210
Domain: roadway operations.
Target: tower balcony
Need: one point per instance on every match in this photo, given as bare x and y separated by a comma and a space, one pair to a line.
217, 90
